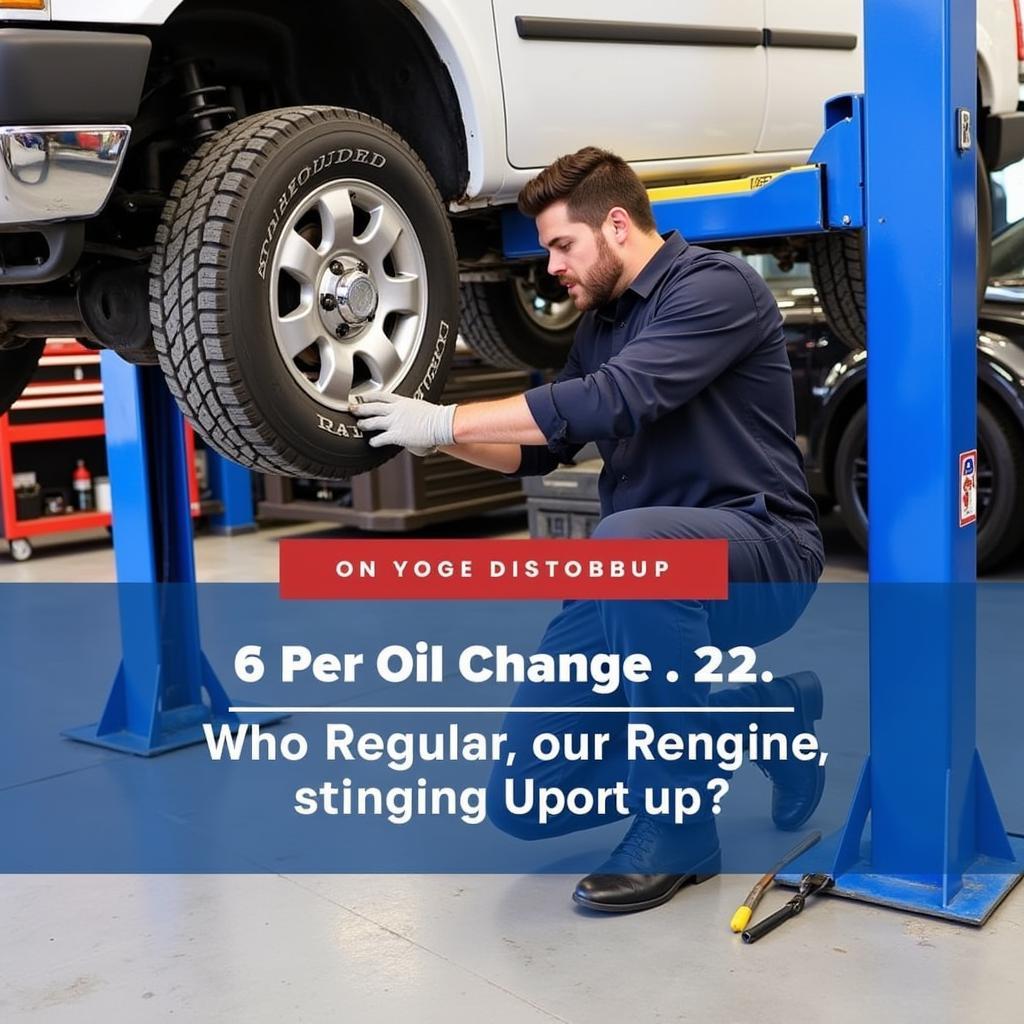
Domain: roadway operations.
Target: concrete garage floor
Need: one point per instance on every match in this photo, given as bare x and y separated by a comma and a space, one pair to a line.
446, 949
465, 948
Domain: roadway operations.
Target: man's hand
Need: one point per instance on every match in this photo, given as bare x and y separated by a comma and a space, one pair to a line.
410, 423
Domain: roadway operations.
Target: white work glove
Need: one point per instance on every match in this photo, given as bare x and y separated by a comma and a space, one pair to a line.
418, 426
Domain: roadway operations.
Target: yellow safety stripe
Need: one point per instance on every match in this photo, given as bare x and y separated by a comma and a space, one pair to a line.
720, 188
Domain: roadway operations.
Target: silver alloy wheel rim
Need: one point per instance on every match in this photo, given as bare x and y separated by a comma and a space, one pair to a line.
552, 315
330, 334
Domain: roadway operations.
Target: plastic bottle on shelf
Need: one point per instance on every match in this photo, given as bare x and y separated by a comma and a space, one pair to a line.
81, 480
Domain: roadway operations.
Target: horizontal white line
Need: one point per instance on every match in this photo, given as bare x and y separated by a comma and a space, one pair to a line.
516, 711
85, 387
72, 360
55, 403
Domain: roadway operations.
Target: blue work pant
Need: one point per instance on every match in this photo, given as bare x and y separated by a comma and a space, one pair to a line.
782, 560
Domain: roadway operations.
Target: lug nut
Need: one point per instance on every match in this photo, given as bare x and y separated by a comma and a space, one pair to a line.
336, 268
341, 330
363, 267
328, 302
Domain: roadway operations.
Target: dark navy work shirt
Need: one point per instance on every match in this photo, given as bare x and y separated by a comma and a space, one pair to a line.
685, 385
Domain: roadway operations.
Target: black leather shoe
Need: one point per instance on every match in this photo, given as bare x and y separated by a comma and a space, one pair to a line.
649, 843
796, 785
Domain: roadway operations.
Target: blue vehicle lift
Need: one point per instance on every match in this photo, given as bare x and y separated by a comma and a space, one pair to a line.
231, 486
923, 785
165, 689
825, 193
894, 164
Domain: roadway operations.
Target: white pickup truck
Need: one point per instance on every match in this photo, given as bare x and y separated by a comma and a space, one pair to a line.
285, 204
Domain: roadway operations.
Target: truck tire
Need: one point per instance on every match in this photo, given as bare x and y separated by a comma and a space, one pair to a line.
839, 272
16, 368
1000, 483
304, 256
524, 322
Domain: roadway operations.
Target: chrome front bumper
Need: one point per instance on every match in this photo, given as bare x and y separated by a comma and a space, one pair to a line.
58, 172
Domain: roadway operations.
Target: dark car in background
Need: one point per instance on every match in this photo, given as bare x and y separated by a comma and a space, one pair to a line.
830, 380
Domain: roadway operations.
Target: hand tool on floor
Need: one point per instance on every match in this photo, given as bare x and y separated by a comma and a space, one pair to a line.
743, 914
810, 885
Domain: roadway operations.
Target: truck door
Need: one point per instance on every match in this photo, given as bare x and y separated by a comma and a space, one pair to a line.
650, 80
815, 50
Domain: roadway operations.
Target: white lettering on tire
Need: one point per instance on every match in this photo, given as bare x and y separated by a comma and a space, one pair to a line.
311, 170
330, 426
435, 361
337, 429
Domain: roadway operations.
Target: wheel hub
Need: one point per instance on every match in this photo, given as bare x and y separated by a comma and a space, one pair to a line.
348, 295
546, 302
357, 297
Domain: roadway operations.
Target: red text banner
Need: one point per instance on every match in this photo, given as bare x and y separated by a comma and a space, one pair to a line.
464, 570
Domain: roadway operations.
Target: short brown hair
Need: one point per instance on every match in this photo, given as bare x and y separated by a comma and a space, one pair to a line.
591, 181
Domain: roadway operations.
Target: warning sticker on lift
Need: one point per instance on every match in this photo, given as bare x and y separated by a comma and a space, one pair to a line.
968, 500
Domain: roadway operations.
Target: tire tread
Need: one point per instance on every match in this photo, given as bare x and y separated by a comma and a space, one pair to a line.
189, 286
839, 271
1002, 547
481, 330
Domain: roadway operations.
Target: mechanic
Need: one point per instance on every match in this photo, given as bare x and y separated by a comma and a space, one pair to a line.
680, 375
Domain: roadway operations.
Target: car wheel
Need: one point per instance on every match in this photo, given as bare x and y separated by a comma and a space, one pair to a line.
850, 480
1000, 487
304, 257
839, 271
20, 548
16, 368
1000, 483
527, 321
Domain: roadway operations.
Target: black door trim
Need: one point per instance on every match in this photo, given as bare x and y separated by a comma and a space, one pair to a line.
579, 30
586, 30
798, 39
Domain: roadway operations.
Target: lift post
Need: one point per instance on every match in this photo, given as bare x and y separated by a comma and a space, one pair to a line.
165, 689
937, 844
231, 485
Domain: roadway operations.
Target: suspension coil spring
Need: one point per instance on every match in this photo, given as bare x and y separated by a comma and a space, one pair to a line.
206, 113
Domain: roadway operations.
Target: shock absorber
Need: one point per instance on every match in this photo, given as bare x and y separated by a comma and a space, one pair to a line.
206, 113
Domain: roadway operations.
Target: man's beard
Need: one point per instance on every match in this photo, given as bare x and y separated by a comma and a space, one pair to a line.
598, 287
